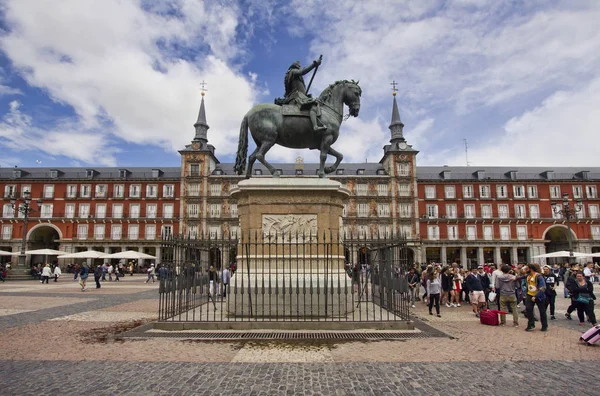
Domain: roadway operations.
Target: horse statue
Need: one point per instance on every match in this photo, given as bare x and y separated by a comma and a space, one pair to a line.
289, 127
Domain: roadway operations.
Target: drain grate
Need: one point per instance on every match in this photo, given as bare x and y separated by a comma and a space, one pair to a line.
212, 336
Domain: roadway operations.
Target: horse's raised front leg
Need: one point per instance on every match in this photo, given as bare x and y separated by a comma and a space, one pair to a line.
260, 155
339, 157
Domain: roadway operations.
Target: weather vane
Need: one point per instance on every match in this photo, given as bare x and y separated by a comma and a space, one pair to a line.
202, 87
394, 89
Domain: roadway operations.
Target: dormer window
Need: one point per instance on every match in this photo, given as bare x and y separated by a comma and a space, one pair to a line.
218, 171
17, 173
512, 175
279, 172
299, 172
123, 173
258, 172
585, 175
155, 173
446, 175
549, 175
381, 171
360, 172
54, 174
90, 172
339, 172
480, 174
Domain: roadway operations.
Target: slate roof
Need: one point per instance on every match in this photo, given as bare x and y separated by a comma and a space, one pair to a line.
310, 169
532, 173
98, 173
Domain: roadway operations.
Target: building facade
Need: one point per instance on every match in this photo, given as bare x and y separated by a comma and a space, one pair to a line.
470, 215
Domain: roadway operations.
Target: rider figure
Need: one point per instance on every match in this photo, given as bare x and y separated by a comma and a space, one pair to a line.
295, 92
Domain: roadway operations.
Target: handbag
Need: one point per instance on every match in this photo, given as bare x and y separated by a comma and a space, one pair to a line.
583, 298
492, 296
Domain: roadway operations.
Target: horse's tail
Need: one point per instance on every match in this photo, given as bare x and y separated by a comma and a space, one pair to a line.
242, 151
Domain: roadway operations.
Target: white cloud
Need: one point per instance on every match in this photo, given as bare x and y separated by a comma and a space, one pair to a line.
563, 130
115, 63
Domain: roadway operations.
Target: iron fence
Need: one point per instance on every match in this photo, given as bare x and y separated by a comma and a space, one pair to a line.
283, 278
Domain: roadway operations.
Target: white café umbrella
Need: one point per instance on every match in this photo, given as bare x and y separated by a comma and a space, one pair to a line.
129, 254
3, 253
562, 253
84, 254
42, 252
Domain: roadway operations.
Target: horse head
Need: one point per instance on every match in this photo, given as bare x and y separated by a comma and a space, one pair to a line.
352, 94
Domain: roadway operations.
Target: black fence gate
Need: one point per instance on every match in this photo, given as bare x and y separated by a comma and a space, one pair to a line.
283, 278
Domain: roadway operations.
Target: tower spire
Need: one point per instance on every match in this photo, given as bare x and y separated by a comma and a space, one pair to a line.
396, 126
201, 126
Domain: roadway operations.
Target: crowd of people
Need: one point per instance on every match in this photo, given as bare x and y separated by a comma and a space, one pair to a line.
506, 288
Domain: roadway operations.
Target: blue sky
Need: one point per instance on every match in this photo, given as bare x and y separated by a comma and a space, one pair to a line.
117, 83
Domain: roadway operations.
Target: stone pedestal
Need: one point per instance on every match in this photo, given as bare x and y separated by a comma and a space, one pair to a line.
290, 232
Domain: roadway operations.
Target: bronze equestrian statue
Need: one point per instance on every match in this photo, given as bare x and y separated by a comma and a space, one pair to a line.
294, 121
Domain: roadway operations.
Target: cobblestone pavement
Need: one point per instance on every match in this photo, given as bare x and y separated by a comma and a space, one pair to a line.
55, 339
459, 378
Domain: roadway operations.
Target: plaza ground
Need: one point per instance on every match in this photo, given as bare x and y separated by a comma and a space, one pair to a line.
55, 339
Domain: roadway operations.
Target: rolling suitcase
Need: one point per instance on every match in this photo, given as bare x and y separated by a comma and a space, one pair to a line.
591, 336
490, 317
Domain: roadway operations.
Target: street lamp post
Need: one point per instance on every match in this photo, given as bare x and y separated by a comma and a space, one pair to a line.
564, 208
25, 209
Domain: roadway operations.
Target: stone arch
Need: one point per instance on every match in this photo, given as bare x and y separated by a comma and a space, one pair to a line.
40, 225
559, 226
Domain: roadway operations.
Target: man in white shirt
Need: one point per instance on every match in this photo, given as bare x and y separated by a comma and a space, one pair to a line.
587, 271
495, 274
226, 277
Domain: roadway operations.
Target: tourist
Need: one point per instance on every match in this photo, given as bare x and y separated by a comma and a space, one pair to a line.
46, 274
485, 279
226, 276
505, 285
83, 275
131, 268
75, 271
446, 278
151, 272
434, 287
117, 274
110, 271
570, 277
35, 273
104, 271
495, 273
582, 292
413, 284
588, 272
57, 273
162, 272
551, 284
476, 294
98, 273
456, 290
535, 296
212, 279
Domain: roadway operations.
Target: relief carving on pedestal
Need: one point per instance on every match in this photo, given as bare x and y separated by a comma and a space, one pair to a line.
289, 226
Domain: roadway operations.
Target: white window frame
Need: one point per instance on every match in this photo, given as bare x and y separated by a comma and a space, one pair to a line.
117, 211
450, 191
363, 210
119, 191
453, 233
404, 169
471, 232
518, 191
451, 211
486, 211
595, 231
134, 211
520, 211
150, 232
168, 211
168, 190
7, 230
362, 189
101, 191
469, 211
116, 232
84, 210
521, 232
383, 210
405, 210
433, 233
46, 211
133, 232
593, 211
554, 192
70, 211
48, 192
151, 190
215, 189
432, 211
534, 211
10, 190
195, 170
591, 192
85, 191
484, 191
100, 212
532, 191
215, 210
504, 232
71, 191
151, 211
99, 235
577, 192
488, 233
193, 210
503, 211
501, 191
430, 192
193, 189
403, 190
468, 191
383, 190
233, 210
135, 191
8, 212
82, 231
